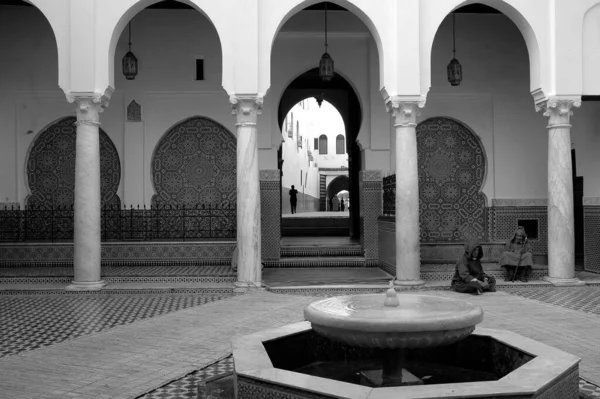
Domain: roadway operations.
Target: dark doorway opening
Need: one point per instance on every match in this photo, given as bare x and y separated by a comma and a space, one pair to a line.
342, 96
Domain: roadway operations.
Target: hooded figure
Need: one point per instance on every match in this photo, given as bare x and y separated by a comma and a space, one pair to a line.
469, 275
517, 258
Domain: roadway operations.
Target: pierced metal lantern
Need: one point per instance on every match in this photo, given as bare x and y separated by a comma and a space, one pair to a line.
130, 62
454, 72
130, 66
326, 67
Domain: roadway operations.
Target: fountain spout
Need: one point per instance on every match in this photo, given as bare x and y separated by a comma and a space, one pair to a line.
391, 299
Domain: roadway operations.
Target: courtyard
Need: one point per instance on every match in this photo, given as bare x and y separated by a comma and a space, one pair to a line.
159, 343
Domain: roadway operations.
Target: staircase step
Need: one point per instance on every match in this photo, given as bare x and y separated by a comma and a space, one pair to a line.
338, 261
306, 251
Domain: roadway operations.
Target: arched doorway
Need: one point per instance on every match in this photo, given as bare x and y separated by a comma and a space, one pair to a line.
340, 93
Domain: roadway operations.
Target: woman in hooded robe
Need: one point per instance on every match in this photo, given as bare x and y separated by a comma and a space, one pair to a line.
469, 276
517, 258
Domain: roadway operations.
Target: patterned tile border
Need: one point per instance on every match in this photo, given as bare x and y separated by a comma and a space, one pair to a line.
355, 250
591, 238
520, 202
111, 291
121, 254
270, 214
591, 201
371, 207
321, 262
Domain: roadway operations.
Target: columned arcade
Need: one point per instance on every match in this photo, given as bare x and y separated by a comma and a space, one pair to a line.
431, 163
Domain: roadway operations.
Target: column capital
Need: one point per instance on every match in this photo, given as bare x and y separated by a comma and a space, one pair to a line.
404, 111
558, 110
246, 108
89, 106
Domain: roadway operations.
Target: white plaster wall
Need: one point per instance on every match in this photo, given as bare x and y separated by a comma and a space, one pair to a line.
493, 99
590, 34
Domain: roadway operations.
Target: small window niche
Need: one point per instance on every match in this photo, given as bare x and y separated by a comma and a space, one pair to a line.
531, 227
199, 68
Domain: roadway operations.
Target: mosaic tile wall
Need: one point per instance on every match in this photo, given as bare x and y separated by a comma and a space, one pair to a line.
502, 223
371, 188
591, 237
252, 389
322, 193
195, 163
51, 167
270, 214
121, 254
452, 170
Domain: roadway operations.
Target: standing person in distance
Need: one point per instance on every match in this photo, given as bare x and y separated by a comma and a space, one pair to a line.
293, 199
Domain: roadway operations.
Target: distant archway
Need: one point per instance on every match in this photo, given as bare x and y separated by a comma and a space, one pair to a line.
338, 184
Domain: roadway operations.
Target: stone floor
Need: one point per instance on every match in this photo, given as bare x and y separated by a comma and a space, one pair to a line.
158, 345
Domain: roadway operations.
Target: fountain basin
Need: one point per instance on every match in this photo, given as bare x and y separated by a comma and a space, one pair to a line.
265, 363
419, 321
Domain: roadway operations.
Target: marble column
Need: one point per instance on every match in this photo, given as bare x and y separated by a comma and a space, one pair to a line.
408, 256
86, 236
561, 230
249, 272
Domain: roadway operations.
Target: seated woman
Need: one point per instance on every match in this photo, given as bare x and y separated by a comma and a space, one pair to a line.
469, 276
517, 257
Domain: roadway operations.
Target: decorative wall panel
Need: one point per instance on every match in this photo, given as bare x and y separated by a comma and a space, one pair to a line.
134, 112
504, 221
195, 163
452, 170
51, 167
591, 238
371, 189
270, 214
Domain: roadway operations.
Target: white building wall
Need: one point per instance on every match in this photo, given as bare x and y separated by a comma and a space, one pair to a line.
493, 98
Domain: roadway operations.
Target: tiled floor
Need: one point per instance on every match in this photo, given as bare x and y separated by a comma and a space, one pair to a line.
585, 299
112, 345
33, 321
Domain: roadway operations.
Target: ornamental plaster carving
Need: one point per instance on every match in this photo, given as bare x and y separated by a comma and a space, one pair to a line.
558, 110
405, 112
520, 202
246, 108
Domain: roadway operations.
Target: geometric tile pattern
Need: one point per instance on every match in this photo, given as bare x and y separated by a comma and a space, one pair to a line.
51, 167
584, 299
187, 387
353, 250
452, 169
195, 163
30, 321
120, 271
121, 254
591, 238
270, 214
254, 388
503, 221
134, 112
370, 187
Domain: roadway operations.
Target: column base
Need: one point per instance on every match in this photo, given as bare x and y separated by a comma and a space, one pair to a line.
85, 285
408, 283
242, 287
564, 282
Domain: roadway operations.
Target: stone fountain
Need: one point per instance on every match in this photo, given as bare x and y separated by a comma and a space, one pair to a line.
406, 345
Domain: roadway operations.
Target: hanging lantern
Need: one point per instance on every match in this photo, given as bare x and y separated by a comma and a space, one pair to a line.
130, 63
326, 62
454, 68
